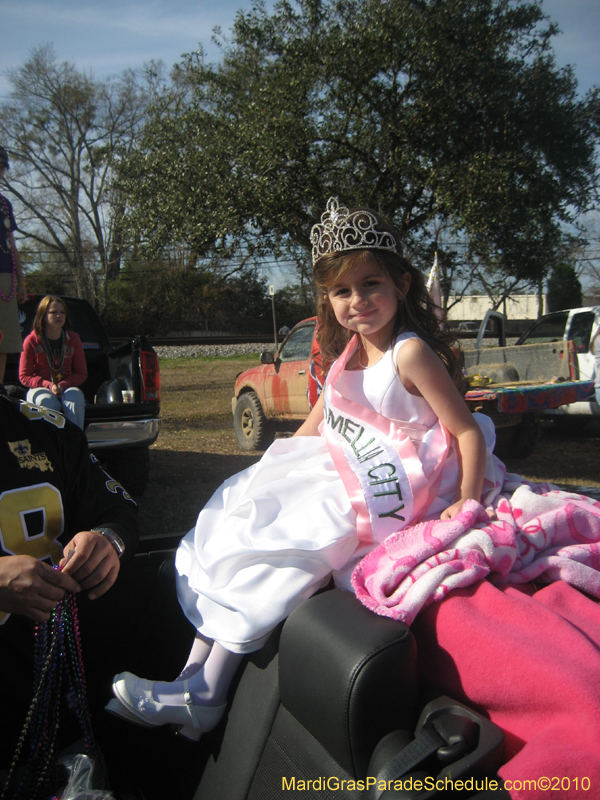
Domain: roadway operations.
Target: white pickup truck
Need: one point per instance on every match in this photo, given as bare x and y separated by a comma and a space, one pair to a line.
578, 325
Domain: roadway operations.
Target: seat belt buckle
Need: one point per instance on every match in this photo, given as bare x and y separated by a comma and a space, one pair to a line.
460, 733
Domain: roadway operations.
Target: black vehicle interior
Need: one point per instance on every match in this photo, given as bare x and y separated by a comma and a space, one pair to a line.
332, 698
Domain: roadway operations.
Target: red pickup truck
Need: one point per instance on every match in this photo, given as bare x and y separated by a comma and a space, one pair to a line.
512, 385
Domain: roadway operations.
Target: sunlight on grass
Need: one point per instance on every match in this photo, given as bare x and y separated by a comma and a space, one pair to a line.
196, 402
196, 412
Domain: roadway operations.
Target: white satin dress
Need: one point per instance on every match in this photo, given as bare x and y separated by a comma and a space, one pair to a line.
272, 535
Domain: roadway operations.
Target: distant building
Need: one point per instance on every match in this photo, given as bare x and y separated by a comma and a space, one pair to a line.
471, 307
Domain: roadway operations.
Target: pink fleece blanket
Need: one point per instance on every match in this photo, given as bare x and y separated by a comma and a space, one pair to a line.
530, 661
527, 657
541, 533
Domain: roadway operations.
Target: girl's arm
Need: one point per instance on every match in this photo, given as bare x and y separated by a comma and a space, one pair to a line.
310, 426
28, 372
423, 373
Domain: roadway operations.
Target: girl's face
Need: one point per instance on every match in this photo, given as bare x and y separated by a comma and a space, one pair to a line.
365, 301
55, 317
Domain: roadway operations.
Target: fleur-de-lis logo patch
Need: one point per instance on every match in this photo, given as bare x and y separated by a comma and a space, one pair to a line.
27, 459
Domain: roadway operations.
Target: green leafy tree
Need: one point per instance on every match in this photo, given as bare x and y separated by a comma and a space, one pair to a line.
564, 288
160, 298
293, 304
450, 109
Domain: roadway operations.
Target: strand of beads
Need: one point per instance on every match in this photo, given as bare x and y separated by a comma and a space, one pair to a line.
56, 363
45, 666
77, 677
57, 655
12, 255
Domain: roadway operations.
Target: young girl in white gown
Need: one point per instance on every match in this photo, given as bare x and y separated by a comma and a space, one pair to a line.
390, 443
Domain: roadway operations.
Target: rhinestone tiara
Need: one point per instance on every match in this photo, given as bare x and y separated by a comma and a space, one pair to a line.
341, 230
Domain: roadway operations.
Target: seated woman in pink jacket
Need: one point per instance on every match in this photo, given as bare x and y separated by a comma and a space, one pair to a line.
53, 363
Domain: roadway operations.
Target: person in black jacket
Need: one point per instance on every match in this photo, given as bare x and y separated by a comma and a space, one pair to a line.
57, 508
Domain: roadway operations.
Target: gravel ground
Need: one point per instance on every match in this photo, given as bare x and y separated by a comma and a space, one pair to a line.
195, 350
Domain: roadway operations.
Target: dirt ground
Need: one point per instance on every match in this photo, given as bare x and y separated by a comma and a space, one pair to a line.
197, 450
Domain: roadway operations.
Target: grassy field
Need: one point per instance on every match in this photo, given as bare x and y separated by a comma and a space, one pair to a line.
197, 450
196, 402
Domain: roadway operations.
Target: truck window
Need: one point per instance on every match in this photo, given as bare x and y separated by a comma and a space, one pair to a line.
581, 330
547, 330
298, 346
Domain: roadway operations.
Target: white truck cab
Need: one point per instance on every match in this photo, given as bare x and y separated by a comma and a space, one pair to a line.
578, 325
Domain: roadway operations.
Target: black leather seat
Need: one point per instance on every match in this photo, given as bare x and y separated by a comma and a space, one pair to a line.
314, 704
331, 699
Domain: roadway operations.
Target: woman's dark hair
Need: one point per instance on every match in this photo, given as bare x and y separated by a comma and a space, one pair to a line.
39, 323
416, 310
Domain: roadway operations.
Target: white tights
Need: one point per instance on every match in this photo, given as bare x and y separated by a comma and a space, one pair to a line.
210, 668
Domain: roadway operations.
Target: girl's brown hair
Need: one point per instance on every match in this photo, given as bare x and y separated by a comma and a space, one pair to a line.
416, 310
39, 323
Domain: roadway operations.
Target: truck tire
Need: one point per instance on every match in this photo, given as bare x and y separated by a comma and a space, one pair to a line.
253, 430
518, 441
131, 467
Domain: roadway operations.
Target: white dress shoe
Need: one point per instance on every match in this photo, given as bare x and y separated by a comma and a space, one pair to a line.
136, 704
117, 708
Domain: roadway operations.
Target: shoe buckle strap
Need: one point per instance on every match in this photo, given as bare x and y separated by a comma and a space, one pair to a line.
189, 702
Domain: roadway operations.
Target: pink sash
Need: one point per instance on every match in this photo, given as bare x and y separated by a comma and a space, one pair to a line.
378, 462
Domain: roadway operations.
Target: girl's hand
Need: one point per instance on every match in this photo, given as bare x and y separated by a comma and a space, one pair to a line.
56, 390
455, 508
452, 510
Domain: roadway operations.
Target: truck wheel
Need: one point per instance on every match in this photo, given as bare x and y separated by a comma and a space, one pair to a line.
253, 430
518, 441
131, 467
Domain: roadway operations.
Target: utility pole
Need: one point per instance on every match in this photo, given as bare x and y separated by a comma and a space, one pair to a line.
272, 293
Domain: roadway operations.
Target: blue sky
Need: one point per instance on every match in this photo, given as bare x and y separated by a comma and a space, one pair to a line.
108, 36
105, 37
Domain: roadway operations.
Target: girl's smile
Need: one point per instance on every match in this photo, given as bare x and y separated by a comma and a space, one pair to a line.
364, 300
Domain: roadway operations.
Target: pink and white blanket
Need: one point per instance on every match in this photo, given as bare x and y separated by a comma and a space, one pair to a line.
541, 533
527, 657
